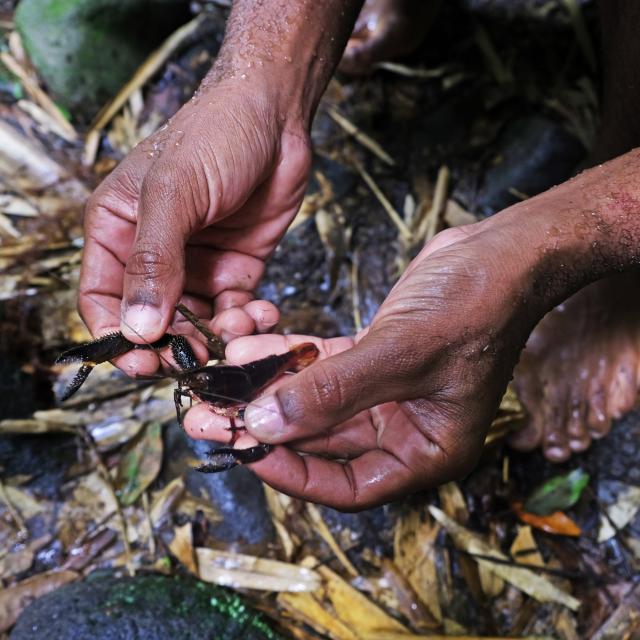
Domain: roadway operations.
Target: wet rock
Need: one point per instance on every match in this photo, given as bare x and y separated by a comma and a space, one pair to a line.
147, 607
237, 495
85, 50
533, 154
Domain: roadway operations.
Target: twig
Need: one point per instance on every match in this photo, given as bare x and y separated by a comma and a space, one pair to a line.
32, 88
500, 73
582, 33
147, 513
429, 223
216, 346
355, 291
412, 72
104, 472
360, 136
323, 531
144, 72
23, 532
388, 207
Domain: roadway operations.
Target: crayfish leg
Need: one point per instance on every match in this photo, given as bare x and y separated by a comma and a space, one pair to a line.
227, 458
78, 380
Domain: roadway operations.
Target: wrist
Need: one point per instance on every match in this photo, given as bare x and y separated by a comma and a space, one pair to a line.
578, 232
292, 46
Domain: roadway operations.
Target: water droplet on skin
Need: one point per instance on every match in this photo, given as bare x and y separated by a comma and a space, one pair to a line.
288, 59
243, 76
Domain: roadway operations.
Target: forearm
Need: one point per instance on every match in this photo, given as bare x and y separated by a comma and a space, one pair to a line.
583, 230
293, 46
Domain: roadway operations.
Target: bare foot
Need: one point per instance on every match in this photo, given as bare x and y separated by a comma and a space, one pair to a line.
385, 30
580, 368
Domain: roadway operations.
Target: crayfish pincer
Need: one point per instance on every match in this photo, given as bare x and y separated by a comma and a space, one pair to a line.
225, 388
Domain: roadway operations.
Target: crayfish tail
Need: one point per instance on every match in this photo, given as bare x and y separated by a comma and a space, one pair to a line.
303, 355
226, 458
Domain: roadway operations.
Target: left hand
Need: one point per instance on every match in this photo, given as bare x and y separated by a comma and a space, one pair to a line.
404, 405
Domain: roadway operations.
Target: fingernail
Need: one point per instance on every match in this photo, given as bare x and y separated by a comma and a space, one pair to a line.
140, 320
264, 419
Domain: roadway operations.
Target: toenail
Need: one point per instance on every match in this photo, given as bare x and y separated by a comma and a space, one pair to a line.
557, 454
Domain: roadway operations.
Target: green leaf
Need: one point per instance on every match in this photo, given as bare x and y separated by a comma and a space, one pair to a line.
558, 493
140, 465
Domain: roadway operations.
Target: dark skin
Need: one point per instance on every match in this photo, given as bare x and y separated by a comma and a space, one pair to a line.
408, 400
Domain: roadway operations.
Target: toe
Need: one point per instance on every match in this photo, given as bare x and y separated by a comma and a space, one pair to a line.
598, 419
555, 440
579, 438
623, 389
529, 436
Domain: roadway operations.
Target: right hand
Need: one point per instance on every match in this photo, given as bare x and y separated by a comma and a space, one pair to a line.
190, 215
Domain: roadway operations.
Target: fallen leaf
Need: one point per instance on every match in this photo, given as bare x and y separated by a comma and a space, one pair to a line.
165, 500
14, 599
620, 513
414, 555
355, 610
141, 464
524, 549
526, 580
558, 523
241, 571
182, 547
557, 494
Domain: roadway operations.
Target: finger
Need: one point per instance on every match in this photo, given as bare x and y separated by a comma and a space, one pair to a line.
331, 390
233, 323
211, 272
355, 437
265, 314
155, 270
109, 230
371, 479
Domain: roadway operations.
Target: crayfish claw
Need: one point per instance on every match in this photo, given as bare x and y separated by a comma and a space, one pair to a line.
226, 458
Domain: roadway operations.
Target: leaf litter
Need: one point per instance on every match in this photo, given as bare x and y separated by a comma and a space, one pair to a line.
121, 503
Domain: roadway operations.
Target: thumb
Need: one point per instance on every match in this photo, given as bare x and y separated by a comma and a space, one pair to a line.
330, 391
155, 271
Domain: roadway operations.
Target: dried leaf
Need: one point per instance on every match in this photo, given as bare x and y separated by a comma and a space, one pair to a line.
558, 493
366, 619
323, 531
453, 503
182, 547
311, 609
165, 501
620, 513
524, 549
414, 555
532, 584
139, 467
80, 556
14, 599
558, 523
241, 571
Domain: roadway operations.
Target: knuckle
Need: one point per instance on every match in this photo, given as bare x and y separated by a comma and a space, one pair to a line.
149, 264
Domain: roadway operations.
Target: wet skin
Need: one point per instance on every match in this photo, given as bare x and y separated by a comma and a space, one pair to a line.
408, 400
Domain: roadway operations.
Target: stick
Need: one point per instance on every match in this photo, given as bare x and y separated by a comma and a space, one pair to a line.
360, 136
388, 207
429, 224
32, 88
23, 532
144, 72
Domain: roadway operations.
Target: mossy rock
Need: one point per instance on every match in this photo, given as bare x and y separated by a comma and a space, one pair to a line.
146, 607
85, 50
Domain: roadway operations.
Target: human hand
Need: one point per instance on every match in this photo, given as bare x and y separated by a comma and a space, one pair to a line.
404, 405
190, 215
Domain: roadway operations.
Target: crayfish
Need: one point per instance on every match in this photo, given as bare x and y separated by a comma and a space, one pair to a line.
225, 388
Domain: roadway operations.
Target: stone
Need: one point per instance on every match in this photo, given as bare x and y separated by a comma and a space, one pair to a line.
145, 607
85, 50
